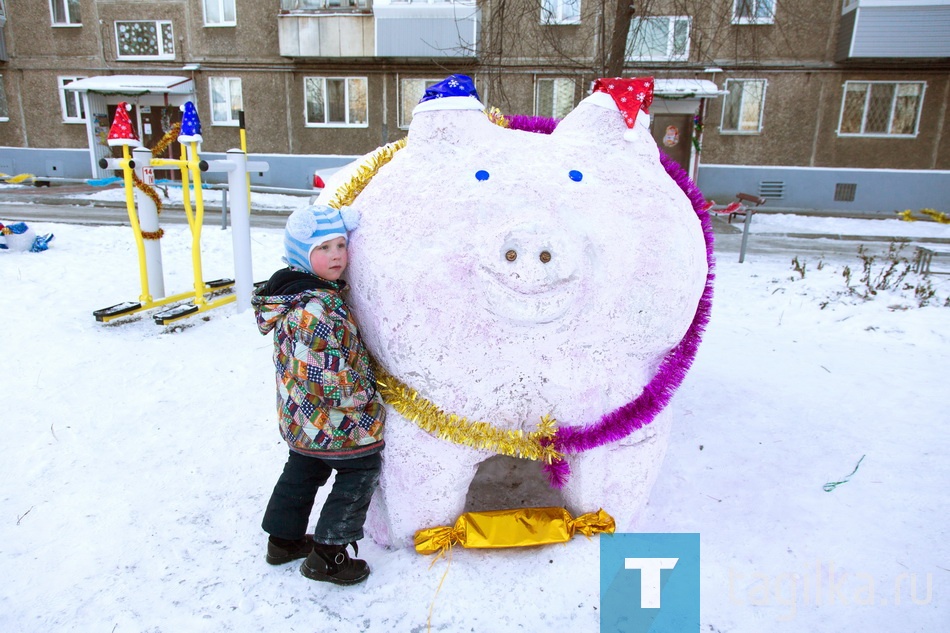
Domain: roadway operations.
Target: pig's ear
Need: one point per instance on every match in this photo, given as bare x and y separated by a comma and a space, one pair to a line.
454, 127
598, 120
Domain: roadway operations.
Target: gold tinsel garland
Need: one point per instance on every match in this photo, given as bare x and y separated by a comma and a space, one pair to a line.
148, 191
535, 445
153, 235
347, 193
170, 137
166, 140
496, 117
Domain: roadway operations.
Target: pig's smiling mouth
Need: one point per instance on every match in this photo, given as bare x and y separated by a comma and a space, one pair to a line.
520, 301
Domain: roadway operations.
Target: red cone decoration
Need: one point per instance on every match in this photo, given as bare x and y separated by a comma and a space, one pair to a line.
122, 131
630, 95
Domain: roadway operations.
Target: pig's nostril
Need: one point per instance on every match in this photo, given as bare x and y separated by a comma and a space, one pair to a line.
545, 257
511, 255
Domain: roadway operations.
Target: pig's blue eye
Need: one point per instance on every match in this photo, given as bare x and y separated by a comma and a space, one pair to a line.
575, 175
481, 174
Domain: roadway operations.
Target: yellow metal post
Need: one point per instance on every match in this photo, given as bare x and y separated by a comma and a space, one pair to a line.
196, 229
247, 176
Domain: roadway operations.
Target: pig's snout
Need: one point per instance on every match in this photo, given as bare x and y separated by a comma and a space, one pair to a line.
533, 269
534, 259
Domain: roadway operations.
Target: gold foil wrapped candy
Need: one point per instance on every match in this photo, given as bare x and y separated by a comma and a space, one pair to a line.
518, 527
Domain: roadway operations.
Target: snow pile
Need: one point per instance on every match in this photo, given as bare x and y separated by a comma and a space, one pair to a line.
506, 276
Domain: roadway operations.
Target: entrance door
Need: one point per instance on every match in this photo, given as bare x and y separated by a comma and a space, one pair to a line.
674, 134
156, 121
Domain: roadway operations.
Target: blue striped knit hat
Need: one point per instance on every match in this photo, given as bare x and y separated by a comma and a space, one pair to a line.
309, 227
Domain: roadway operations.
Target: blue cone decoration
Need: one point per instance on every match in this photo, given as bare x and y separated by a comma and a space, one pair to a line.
451, 86
190, 124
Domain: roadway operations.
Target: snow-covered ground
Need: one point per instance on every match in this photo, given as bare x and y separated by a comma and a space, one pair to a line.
136, 461
791, 223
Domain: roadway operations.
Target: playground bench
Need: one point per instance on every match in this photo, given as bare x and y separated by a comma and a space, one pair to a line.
742, 205
923, 259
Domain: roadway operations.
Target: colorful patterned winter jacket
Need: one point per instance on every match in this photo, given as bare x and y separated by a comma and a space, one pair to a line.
327, 401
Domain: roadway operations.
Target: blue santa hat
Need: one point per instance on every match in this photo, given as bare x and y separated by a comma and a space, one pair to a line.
190, 124
455, 92
309, 227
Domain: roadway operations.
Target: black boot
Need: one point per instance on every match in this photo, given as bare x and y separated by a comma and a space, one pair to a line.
332, 563
280, 551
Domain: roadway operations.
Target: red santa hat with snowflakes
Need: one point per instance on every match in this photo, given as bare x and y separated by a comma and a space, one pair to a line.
122, 131
632, 97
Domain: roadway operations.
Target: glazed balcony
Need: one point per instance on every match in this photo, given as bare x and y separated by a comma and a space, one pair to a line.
422, 28
894, 29
384, 28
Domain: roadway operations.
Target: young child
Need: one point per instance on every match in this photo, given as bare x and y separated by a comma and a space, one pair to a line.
330, 413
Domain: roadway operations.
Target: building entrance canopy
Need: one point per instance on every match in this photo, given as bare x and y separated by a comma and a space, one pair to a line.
153, 94
686, 88
678, 105
131, 85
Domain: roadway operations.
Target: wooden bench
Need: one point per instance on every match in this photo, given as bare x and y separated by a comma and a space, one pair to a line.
744, 200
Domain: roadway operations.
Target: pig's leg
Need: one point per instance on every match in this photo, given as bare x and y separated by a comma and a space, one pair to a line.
423, 483
618, 476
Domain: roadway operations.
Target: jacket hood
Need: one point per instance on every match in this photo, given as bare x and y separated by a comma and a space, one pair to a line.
283, 291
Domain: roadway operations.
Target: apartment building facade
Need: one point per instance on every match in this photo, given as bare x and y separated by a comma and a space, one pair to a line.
836, 104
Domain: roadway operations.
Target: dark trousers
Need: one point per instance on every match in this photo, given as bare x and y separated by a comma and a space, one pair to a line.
343, 513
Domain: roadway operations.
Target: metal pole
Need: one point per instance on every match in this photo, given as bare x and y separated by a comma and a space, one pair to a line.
745, 233
148, 223
240, 229
224, 209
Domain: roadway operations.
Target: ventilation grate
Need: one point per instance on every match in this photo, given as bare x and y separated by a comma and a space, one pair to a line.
772, 189
844, 191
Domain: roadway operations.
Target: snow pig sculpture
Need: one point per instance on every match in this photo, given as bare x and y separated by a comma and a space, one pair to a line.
538, 295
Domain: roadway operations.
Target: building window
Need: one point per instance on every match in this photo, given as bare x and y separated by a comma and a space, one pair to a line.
753, 11
410, 93
554, 98
4, 57
220, 13
322, 5
881, 108
71, 102
743, 106
146, 39
4, 112
560, 11
336, 101
664, 38
226, 100
65, 12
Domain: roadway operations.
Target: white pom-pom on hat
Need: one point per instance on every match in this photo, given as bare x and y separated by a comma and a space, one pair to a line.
351, 217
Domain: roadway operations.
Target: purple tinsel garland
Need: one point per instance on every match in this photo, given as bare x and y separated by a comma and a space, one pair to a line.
537, 124
672, 370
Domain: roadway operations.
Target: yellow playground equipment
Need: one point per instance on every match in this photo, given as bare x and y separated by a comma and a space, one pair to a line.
203, 296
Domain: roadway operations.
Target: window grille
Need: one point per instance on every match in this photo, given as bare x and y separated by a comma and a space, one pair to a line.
844, 191
772, 189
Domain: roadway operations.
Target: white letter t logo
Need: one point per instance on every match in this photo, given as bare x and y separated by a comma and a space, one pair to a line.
649, 578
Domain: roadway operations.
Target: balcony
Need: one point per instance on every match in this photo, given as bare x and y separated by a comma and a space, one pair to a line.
420, 29
386, 28
894, 29
326, 28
